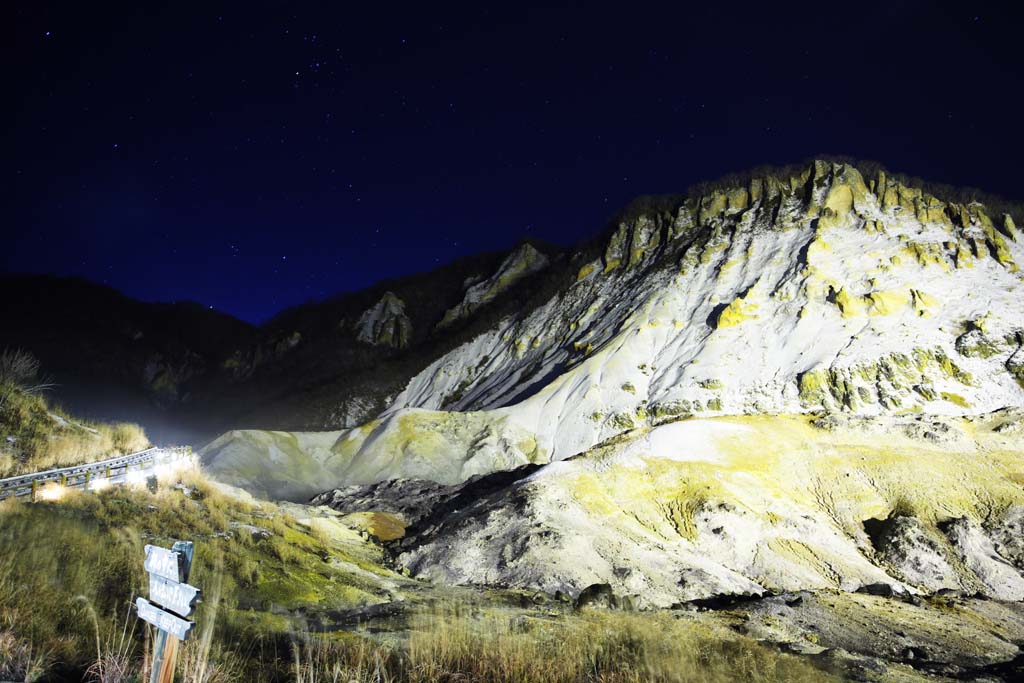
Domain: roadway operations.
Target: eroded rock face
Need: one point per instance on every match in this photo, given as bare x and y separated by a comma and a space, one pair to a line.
521, 263
385, 323
1008, 536
447, 448
824, 291
914, 553
166, 378
998, 578
815, 292
875, 635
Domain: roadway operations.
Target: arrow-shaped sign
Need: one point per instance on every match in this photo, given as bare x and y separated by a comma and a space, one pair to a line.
165, 621
179, 598
166, 563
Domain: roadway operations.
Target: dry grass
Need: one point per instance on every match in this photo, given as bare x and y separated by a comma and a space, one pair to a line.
78, 566
20, 661
199, 661
116, 660
90, 545
35, 436
594, 646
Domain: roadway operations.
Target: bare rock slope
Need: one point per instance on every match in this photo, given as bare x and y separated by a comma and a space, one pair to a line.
801, 382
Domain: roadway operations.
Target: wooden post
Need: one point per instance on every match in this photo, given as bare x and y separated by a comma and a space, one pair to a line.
35, 488
165, 654
165, 647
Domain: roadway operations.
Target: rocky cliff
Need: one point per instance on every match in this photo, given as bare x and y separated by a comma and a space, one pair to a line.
385, 323
522, 262
809, 380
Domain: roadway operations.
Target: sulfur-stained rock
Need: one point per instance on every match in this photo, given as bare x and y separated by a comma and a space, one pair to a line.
1009, 227
524, 261
914, 553
998, 577
1008, 536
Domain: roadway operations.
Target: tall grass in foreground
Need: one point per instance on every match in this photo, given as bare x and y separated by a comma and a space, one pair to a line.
593, 646
76, 566
20, 661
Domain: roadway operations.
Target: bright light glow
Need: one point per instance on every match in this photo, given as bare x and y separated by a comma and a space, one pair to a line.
173, 467
99, 484
134, 478
51, 492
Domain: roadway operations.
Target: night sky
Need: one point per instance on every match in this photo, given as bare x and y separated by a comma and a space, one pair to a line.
254, 156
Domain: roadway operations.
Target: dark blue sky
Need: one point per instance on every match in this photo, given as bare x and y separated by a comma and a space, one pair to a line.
253, 156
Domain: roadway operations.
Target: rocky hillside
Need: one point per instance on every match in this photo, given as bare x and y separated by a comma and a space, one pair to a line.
188, 372
803, 381
829, 288
818, 291
743, 506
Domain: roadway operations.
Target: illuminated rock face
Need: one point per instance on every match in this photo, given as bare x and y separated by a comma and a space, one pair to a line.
524, 261
823, 291
749, 505
721, 399
819, 292
385, 323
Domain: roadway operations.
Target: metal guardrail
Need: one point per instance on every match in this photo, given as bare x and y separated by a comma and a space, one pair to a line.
113, 471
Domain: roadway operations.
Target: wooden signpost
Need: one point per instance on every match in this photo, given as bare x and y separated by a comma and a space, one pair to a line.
173, 600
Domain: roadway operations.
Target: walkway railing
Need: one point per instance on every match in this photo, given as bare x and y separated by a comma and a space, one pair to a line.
120, 470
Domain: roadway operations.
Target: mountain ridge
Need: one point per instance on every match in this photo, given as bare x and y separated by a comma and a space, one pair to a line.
825, 288
304, 380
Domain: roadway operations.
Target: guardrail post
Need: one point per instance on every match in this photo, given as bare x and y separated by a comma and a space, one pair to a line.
35, 486
88, 478
63, 480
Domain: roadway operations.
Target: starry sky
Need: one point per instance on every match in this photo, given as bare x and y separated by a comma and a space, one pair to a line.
256, 155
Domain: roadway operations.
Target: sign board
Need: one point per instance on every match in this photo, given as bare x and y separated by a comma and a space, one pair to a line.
165, 621
169, 564
179, 598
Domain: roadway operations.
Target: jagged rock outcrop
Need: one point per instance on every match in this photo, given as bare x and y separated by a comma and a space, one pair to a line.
242, 363
385, 323
914, 553
524, 261
1008, 536
820, 291
890, 315
165, 378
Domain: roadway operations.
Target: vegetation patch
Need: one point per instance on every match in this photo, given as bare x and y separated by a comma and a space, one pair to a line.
36, 436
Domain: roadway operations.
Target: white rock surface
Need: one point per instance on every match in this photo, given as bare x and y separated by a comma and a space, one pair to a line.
998, 577
385, 323
742, 310
900, 316
524, 261
735, 506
